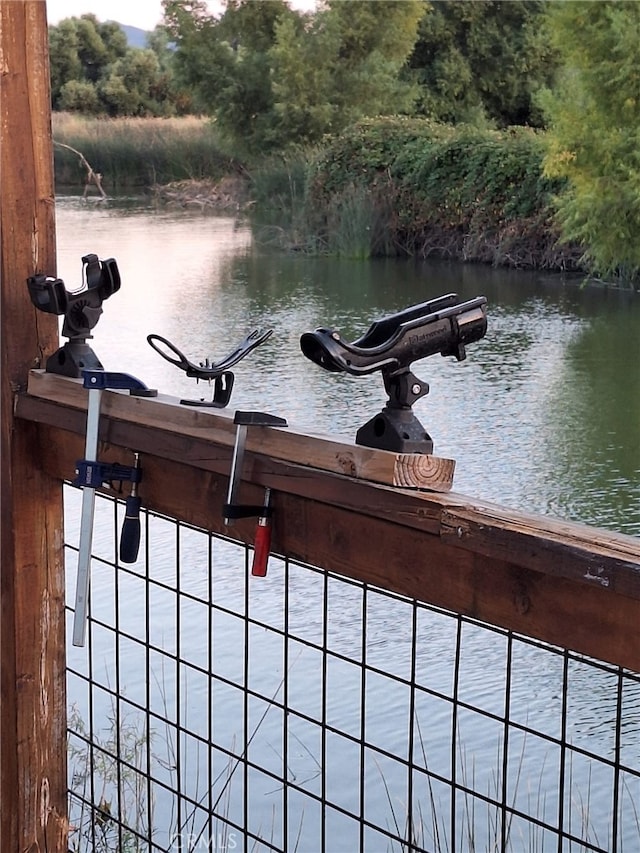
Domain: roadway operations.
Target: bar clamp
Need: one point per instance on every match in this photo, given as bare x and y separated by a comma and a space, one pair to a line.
91, 475
233, 510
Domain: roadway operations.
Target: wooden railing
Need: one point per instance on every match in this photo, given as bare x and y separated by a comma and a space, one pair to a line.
336, 507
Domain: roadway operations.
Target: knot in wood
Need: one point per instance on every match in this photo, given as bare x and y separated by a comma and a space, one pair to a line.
347, 464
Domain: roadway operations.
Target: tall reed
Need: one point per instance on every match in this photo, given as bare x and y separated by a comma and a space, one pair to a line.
131, 152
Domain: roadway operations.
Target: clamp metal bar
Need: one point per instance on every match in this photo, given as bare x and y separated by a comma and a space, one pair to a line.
236, 469
86, 522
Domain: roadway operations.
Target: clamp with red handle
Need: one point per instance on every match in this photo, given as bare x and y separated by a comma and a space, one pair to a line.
232, 509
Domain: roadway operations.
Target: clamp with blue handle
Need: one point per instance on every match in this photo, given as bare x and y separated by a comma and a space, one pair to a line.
91, 474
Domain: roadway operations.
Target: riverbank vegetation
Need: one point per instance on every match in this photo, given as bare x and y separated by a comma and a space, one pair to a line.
505, 133
415, 187
383, 187
138, 152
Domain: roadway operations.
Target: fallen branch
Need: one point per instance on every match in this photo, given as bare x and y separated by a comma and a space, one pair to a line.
92, 177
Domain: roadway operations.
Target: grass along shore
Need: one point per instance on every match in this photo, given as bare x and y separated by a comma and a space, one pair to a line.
138, 152
384, 187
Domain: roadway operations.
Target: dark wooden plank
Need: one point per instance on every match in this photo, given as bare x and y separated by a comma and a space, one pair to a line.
554, 610
32, 661
385, 552
564, 550
577, 552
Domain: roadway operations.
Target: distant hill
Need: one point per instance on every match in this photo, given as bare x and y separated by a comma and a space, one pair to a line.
135, 36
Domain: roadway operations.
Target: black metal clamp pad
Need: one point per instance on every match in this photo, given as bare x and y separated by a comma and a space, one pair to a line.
99, 380
208, 371
391, 345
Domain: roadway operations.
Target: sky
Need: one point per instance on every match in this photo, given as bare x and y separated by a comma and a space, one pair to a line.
136, 13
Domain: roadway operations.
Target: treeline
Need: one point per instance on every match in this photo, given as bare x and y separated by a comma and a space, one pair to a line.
95, 72
281, 84
273, 76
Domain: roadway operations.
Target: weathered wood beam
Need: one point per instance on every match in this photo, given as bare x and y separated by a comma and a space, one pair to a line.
396, 469
33, 790
560, 582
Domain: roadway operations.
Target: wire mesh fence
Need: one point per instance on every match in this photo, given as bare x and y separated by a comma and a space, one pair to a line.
304, 711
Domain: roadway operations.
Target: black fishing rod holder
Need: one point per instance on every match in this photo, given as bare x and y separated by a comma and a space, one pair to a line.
81, 309
391, 345
216, 374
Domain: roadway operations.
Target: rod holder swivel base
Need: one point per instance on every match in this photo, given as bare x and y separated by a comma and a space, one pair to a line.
72, 358
397, 430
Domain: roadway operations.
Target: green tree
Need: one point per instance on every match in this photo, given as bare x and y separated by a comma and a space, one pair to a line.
273, 77
129, 87
482, 61
93, 53
594, 130
225, 63
94, 71
79, 96
114, 41
201, 57
165, 91
303, 110
343, 67
64, 60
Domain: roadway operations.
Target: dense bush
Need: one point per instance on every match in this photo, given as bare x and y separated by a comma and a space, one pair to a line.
467, 193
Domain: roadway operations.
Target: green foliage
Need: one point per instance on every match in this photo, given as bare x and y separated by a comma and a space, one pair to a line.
436, 188
129, 86
279, 183
79, 96
478, 178
64, 59
101, 826
346, 65
274, 78
94, 72
594, 117
481, 61
225, 64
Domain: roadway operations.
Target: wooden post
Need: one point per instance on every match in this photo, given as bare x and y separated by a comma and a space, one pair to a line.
32, 654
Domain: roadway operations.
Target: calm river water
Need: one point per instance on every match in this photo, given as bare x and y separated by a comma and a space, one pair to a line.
543, 415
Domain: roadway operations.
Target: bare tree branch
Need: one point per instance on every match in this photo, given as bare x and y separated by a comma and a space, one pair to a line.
92, 177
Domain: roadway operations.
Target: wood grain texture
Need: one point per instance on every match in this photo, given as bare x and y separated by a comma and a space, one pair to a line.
32, 657
563, 583
315, 451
